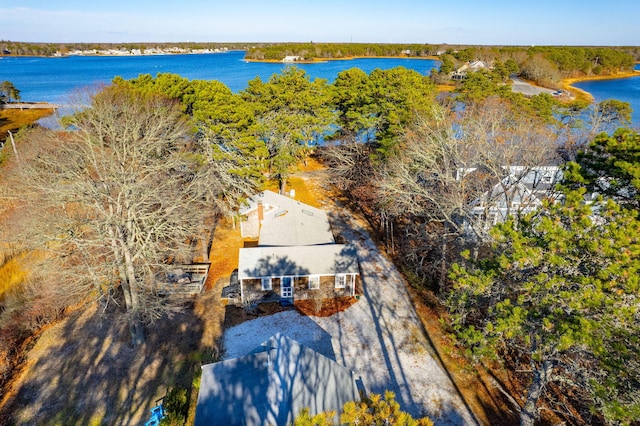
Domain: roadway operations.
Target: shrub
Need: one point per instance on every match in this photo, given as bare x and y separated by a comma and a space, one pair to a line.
176, 407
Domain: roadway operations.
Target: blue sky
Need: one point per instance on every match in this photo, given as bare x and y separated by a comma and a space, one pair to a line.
543, 22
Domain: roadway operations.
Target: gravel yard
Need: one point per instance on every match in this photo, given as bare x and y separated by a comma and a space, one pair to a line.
380, 338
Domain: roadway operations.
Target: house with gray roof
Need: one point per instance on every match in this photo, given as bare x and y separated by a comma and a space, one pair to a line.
278, 220
296, 256
474, 66
303, 272
521, 191
271, 386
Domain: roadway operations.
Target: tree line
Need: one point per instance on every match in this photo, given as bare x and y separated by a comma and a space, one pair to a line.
567, 60
313, 51
116, 198
545, 65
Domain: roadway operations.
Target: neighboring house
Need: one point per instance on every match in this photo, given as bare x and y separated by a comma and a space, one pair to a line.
461, 73
272, 385
292, 59
521, 191
296, 256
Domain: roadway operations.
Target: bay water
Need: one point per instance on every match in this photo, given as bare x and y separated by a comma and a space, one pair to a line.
622, 89
56, 80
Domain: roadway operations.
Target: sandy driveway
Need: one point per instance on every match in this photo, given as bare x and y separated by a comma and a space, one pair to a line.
380, 338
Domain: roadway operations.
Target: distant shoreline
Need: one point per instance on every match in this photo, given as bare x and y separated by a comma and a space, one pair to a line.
103, 54
30, 105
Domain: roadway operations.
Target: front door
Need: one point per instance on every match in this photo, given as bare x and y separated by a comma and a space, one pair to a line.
287, 288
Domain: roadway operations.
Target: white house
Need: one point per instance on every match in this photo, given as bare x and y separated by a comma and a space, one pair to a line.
521, 191
296, 256
474, 66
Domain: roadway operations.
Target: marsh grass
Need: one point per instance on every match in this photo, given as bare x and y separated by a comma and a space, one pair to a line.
12, 274
13, 119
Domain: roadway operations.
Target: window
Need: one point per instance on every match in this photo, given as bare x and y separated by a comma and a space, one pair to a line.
266, 284
492, 218
314, 282
286, 289
341, 281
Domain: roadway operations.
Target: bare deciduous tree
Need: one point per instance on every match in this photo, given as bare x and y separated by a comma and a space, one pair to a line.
115, 199
447, 162
349, 163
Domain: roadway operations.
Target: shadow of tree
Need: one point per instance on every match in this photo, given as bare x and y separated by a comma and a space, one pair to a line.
84, 370
243, 339
276, 266
378, 276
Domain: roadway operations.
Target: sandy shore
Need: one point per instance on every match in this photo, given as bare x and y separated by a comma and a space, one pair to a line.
567, 83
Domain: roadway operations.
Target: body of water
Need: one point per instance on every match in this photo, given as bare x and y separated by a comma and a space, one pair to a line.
623, 89
55, 79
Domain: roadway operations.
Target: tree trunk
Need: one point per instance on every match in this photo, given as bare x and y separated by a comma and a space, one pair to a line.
529, 413
136, 329
444, 268
205, 241
135, 324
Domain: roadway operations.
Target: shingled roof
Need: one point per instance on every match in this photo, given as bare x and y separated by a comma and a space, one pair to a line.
330, 259
272, 385
288, 222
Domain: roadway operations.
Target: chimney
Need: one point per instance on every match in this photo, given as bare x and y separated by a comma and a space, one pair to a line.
260, 212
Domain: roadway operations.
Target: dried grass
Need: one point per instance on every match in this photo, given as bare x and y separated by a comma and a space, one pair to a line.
13, 119
12, 275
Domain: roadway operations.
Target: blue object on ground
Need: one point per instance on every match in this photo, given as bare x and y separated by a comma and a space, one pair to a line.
157, 414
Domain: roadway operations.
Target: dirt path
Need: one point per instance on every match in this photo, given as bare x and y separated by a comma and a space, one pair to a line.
380, 338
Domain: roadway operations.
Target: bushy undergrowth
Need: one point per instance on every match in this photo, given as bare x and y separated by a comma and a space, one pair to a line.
27, 303
176, 407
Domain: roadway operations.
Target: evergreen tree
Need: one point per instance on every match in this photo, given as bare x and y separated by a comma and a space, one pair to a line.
611, 165
373, 410
560, 292
292, 114
380, 106
8, 91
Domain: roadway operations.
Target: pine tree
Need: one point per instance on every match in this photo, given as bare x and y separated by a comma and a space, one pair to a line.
559, 292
